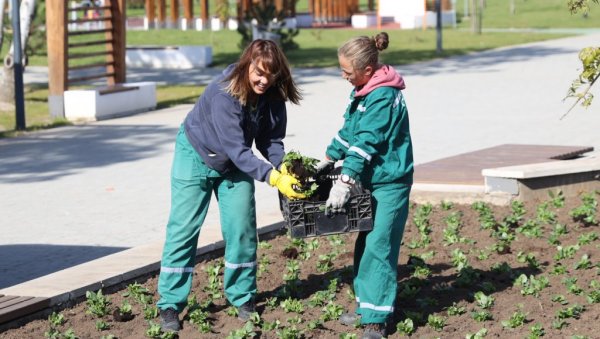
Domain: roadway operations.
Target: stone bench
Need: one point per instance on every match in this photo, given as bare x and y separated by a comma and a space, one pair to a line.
533, 181
169, 57
109, 102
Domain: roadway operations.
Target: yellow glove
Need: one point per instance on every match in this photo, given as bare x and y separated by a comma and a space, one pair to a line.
285, 183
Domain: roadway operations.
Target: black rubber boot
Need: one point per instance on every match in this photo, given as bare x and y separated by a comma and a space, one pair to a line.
169, 320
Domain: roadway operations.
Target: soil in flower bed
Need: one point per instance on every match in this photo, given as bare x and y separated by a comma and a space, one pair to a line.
519, 271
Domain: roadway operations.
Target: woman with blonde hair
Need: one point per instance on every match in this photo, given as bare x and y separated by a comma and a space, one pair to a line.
242, 106
376, 148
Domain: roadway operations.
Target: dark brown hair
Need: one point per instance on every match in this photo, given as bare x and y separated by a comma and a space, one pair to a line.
363, 51
274, 61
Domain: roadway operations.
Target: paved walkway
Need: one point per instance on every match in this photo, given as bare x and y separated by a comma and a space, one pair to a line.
73, 194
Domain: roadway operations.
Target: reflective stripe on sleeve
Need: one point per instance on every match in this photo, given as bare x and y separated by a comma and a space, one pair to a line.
360, 152
178, 270
342, 141
242, 265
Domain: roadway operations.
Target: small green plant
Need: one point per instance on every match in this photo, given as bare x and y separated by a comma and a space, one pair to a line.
199, 318
456, 309
123, 312
517, 319
586, 212
150, 312
570, 312
304, 169
436, 322
481, 316
406, 327
213, 288
584, 263
559, 298
56, 319
536, 331
446, 205
331, 311
557, 199
484, 301
292, 305
98, 304
245, 332
586, 239
531, 285
139, 293
482, 333
102, 325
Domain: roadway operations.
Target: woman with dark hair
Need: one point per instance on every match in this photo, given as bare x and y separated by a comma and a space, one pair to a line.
376, 147
244, 105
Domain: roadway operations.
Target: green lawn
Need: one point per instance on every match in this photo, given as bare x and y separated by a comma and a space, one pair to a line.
318, 46
531, 14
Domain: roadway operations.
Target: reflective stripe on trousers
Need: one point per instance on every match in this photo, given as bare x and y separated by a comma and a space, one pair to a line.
192, 185
376, 254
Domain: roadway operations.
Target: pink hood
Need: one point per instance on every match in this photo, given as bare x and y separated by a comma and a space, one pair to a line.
384, 76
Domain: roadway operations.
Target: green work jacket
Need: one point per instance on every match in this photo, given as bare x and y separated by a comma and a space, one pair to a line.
375, 141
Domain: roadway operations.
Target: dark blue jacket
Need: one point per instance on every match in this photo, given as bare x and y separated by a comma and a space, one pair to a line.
222, 131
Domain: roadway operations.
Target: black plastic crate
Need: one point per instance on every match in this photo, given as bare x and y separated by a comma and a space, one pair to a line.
306, 218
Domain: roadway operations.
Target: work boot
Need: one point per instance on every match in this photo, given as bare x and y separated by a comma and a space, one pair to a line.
350, 319
169, 320
246, 310
374, 331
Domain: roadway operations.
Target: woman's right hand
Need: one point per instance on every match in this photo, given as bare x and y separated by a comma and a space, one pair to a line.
285, 184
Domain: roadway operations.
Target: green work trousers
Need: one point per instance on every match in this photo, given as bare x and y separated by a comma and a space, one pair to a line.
192, 185
376, 254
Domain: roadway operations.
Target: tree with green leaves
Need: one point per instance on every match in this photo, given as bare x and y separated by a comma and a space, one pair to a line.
590, 60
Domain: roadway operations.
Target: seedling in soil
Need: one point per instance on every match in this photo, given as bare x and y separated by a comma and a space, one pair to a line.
559, 324
586, 239
263, 266
459, 259
479, 335
314, 324
518, 211
271, 302
102, 325
559, 298
406, 327
567, 252
213, 288
290, 332
528, 258
123, 313
484, 301
532, 285
139, 293
593, 297
570, 312
304, 169
347, 336
466, 277
481, 316
325, 263
150, 312
69, 334
56, 319
536, 331
199, 318
586, 213
544, 214
517, 319
331, 311
574, 289
436, 322
456, 309
263, 245
271, 326
557, 199
530, 229
108, 336
446, 205
97, 303
584, 263
292, 305
292, 268
245, 332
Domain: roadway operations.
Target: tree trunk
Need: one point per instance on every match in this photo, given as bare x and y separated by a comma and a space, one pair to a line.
7, 89
2, 7
7, 77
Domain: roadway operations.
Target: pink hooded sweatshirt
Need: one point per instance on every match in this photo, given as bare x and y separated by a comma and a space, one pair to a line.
385, 76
